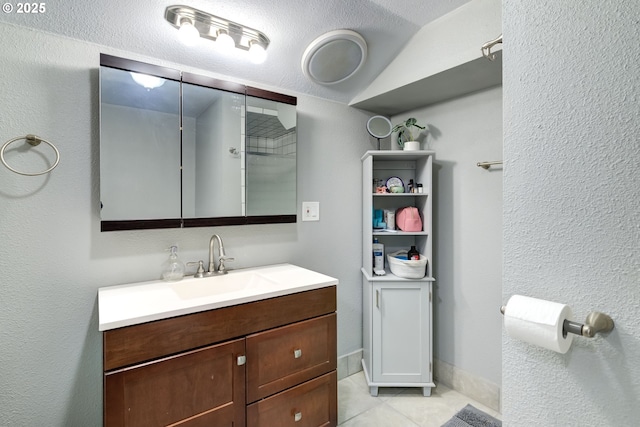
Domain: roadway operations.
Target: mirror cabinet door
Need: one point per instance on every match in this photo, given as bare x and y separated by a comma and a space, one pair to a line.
270, 157
139, 147
212, 142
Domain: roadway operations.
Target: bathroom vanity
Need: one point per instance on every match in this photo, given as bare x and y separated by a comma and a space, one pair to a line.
257, 349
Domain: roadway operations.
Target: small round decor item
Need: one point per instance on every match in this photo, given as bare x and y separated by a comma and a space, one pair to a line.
379, 127
394, 181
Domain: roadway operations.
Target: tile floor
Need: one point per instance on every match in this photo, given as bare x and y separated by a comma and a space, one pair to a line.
398, 407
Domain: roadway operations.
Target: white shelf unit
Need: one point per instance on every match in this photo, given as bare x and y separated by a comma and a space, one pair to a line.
416, 165
397, 312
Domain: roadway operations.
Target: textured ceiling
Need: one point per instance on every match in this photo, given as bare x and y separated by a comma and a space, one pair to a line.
139, 27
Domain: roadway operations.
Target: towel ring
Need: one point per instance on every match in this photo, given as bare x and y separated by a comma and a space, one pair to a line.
34, 141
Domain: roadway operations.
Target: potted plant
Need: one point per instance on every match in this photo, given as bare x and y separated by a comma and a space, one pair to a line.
405, 138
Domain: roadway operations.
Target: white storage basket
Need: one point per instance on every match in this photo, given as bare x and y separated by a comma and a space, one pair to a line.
407, 269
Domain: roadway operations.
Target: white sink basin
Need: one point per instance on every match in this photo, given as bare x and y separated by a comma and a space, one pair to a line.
219, 285
135, 303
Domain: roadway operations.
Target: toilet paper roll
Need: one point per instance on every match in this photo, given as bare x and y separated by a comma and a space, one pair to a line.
538, 322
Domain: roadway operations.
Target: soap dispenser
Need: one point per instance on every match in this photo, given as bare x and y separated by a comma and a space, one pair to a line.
173, 268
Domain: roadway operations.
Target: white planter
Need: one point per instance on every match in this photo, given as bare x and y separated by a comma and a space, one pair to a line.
411, 146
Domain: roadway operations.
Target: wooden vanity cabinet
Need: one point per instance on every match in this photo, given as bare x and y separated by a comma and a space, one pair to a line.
277, 355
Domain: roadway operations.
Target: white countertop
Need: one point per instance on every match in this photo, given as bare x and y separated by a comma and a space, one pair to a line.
134, 303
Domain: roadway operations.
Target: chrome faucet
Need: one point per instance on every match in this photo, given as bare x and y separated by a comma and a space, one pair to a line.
221, 259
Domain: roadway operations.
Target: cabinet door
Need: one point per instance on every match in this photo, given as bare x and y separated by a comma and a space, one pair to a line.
204, 387
401, 333
286, 356
311, 404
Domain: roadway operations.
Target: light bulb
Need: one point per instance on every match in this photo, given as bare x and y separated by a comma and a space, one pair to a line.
188, 33
224, 42
257, 53
147, 81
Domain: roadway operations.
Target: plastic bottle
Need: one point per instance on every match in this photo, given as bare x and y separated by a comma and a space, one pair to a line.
413, 254
173, 268
378, 258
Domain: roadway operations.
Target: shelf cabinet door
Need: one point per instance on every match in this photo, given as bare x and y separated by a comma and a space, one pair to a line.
401, 332
204, 387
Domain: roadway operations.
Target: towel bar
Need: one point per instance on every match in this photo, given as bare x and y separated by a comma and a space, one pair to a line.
487, 165
486, 48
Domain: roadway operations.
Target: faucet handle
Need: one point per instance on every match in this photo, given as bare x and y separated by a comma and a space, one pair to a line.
200, 272
221, 267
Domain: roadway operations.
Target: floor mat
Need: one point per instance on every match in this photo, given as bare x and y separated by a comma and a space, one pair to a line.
470, 416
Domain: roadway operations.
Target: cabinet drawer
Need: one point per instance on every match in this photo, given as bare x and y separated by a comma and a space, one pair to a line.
289, 355
310, 404
197, 388
147, 341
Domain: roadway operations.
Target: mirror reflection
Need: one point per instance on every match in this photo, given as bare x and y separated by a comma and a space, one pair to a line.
139, 153
212, 170
271, 157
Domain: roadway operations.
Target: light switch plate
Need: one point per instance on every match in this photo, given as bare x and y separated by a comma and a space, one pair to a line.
311, 211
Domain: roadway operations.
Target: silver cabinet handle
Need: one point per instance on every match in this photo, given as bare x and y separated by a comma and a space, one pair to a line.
242, 360
377, 298
297, 353
297, 416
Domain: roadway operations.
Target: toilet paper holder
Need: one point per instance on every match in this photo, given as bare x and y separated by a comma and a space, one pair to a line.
596, 322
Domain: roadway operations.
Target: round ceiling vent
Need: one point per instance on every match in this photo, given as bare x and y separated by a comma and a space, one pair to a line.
334, 57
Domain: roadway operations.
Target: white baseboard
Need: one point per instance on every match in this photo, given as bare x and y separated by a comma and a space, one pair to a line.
349, 364
470, 385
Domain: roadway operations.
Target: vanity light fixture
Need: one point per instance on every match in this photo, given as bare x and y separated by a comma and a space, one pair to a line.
257, 52
224, 42
226, 34
147, 81
187, 33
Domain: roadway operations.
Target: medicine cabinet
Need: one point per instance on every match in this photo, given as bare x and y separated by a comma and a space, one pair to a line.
179, 149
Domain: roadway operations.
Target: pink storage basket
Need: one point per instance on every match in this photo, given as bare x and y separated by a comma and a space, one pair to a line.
408, 219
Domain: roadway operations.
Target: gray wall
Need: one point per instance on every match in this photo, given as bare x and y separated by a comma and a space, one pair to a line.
572, 205
468, 230
53, 257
